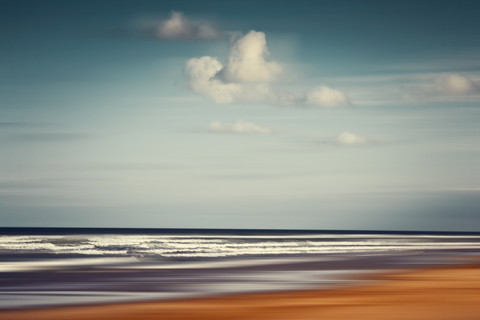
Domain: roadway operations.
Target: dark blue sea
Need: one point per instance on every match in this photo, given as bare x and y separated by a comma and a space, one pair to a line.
57, 266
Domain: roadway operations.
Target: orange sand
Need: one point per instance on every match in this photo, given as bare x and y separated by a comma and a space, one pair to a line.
442, 293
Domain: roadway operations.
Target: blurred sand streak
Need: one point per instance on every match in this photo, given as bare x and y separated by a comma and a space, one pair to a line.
436, 293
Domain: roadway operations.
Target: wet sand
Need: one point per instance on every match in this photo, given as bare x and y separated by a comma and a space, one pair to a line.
436, 293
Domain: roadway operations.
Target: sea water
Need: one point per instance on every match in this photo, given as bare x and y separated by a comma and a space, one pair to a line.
49, 266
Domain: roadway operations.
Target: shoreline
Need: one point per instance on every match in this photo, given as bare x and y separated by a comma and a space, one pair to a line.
441, 292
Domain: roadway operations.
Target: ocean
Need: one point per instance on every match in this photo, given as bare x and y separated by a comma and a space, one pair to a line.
65, 266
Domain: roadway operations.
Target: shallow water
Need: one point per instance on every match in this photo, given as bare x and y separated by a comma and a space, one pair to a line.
76, 267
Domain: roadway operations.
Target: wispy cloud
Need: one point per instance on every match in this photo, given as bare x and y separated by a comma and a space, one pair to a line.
250, 76
47, 137
459, 61
239, 127
412, 88
13, 124
443, 87
180, 28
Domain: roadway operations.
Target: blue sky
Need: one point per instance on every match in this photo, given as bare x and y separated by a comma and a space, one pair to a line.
239, 114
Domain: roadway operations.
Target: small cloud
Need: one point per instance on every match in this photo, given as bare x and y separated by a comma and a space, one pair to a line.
445, 87
240, 127
326, 97
248, 76
349, 139
455, 84
180, 28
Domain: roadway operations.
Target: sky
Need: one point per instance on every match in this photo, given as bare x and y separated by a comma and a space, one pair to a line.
344, 115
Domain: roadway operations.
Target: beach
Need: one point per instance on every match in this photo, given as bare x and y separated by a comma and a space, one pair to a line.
441, 292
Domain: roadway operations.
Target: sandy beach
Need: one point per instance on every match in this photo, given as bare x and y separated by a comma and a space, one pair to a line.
435, 293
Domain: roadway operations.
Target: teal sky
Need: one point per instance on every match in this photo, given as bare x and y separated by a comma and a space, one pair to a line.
239, 114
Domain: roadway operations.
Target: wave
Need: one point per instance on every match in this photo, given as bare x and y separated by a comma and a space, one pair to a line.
197, 246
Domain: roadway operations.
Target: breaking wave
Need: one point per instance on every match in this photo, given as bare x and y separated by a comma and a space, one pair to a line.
207, 246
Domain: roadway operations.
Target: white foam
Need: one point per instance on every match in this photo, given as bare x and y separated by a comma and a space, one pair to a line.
171, 246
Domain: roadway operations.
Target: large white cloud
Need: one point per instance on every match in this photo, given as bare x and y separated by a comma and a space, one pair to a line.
179, 27
242, 127
202, 73
248, 76
247, 61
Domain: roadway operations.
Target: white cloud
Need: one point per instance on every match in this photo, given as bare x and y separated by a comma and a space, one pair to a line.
179, 27
326, 97
203, 80
455, 84
248, 76
349, 139
444, 87
239, 127
396, 89
247, 61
